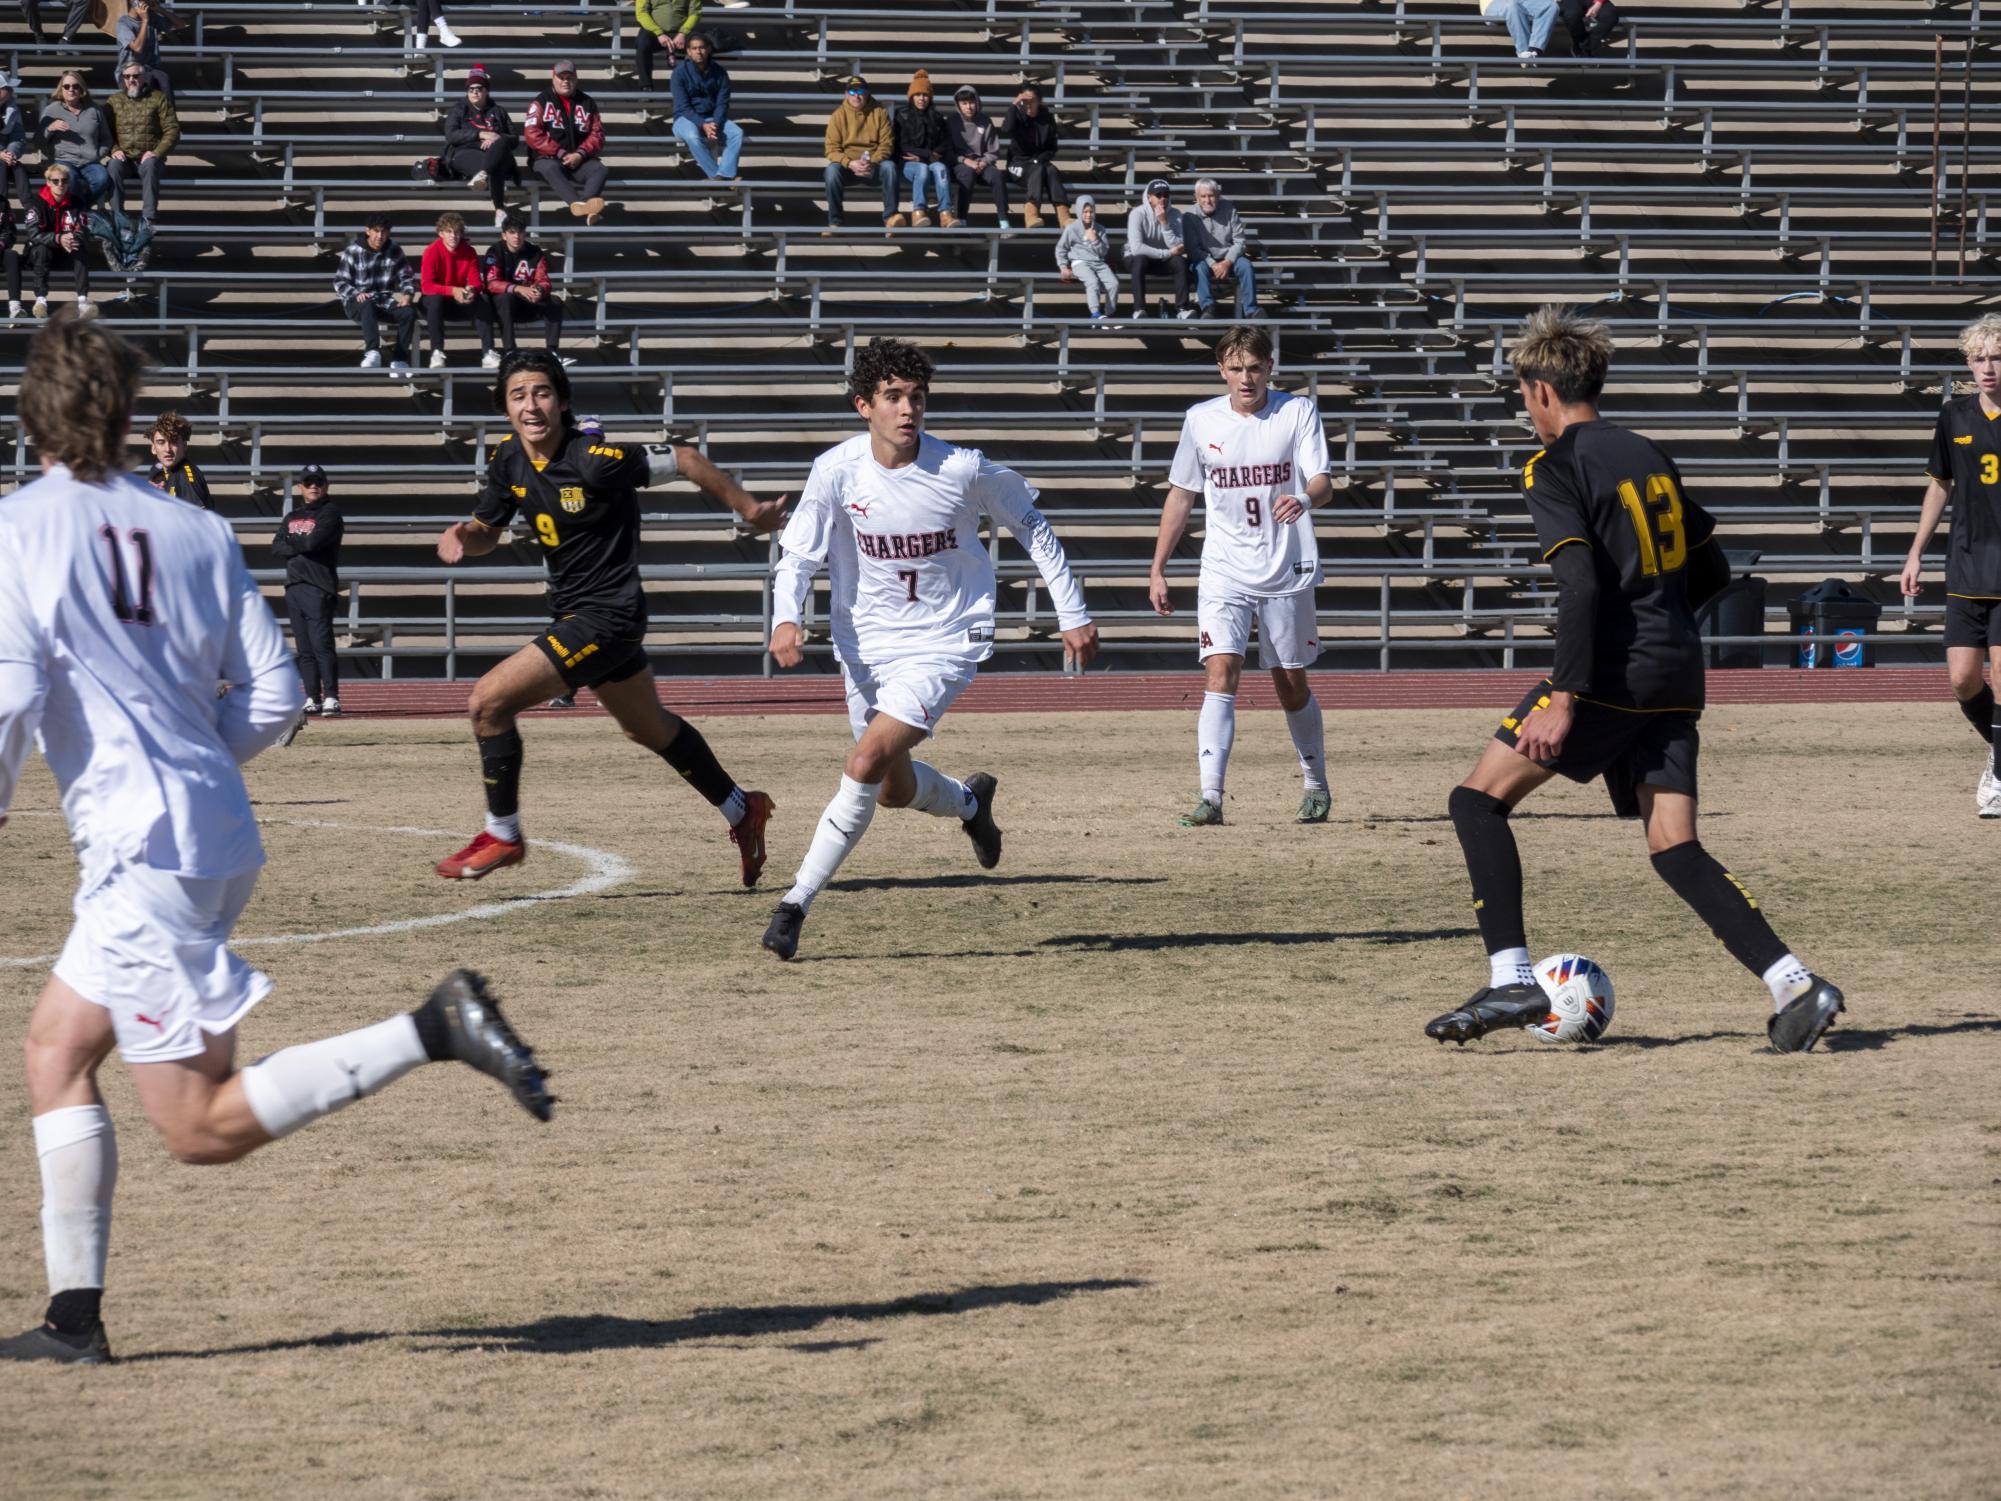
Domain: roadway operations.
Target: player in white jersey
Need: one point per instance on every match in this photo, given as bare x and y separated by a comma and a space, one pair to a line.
894, 515
134, 642
1257, 460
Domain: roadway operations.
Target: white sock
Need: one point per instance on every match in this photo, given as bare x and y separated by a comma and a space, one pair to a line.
299, 1085
1310, 740
841, 829
734, 807
1510, 967
1786, 979
1215, 733
79, 1159
508, 828
941, 795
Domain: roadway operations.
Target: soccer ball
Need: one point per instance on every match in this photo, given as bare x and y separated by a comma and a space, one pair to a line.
1580, 1000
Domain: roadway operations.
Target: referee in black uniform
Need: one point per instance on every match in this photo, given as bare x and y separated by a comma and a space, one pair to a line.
1632, 559
579, 492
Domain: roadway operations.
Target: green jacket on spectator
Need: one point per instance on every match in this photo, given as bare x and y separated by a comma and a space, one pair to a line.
664, 17
148, 123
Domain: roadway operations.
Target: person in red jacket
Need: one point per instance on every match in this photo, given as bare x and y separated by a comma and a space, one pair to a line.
57, 230
452, 285
565, 133
517, 278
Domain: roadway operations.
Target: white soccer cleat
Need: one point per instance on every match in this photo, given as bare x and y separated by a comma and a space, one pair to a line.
1987, 801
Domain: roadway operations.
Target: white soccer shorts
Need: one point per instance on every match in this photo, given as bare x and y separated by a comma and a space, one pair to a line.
151, 947
916, 690
1288, 627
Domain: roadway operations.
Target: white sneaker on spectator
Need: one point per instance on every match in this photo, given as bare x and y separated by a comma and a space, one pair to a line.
499, 217
446, 35
14, 309
1189, 314
329, 705
437, 359
372, 360
567, 360
476, 181
83, 307
491, 359
41, 307
399, 370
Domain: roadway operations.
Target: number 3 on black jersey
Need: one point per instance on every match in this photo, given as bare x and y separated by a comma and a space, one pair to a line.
1657, 523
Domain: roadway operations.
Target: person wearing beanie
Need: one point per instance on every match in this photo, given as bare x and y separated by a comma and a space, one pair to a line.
479, 142
1084, 253
860, 148
923, 155
976, 154
1032, 137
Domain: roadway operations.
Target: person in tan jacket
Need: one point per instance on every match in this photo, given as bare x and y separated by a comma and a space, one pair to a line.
860, 148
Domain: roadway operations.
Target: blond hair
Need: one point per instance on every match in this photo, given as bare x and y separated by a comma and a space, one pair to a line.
1981, 335
1569, 352
77, 391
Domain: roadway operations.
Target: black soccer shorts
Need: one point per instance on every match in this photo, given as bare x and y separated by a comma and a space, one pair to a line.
588, 652
1972, 622
1626, 747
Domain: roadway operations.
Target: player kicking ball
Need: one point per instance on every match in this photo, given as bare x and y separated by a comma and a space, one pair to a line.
581, 493
1965, 467
1632, 559
120, 611
1257, 460
894, 515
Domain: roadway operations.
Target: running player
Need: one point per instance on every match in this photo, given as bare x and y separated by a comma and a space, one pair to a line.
1965, 467
121, 609
580, 490
1257, 460
894, 514
1632, 560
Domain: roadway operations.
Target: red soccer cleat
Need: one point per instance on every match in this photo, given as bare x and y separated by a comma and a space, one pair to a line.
482, 857
748, 836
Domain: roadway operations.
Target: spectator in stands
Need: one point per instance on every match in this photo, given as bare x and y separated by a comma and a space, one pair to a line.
1529, 22
479, 142
860, 147
517, 279
664, 28
1213, 231
702, 110
139, 32
565, 135
1084, 253
308, 543
923, 149
146, 128
1590, 24
1153, 245
375, 281
10, 252
430, 18
77, 17
57, 230
76, 132
976, 154
1032, 136
173, 471
13, 140
454, 285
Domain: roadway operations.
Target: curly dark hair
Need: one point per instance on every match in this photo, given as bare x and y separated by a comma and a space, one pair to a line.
887, 360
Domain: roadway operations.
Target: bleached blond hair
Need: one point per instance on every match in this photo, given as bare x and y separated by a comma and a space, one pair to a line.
1981, 336
1569, 351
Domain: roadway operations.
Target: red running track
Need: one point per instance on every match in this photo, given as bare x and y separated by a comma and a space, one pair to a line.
1051, 693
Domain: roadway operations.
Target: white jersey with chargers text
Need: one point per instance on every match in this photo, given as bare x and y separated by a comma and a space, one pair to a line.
134, 607
1240, 466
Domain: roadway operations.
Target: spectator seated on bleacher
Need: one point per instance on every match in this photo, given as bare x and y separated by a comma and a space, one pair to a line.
1032, 136
1590, 24
10, 252
1154, 246
479, 143
1529, 23
77, 133
374, 281
1213, 231
702, 111
14, 146
173, 471
664, 29
430, 18
565, 135
57, 230
139, 33
976, 154
78, 17
145, 129
860, 148
923, 155
1084, 253
454, 286
517, 279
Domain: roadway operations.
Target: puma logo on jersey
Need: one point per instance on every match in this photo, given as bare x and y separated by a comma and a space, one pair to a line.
858, 508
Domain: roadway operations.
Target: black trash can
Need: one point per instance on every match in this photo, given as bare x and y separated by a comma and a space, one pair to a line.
1835, 611
1738, 610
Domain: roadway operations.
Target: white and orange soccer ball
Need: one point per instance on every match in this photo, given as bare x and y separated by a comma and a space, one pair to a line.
1580, 999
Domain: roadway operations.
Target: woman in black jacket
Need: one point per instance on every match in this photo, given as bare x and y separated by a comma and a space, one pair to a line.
479, 142
1031, 134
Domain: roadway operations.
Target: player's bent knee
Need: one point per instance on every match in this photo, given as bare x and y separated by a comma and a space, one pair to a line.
198, 1146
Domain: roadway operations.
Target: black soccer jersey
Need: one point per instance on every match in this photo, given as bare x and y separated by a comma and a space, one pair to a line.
1966, 459
584, 506
1614, 492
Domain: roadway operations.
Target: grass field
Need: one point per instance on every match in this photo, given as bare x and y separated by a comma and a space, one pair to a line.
1124, 1171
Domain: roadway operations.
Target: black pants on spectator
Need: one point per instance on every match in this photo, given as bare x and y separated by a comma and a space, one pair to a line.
1587, 36
429, 12
13, 259
1175, 267
438, 307
48, 254
587, 181
513, 308
312, 612
993, 174
1042, 179
148, 173
77, 18
24, 189
496, 161
370, 314
645, 49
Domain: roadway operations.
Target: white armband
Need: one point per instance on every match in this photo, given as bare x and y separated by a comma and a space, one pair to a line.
661, 464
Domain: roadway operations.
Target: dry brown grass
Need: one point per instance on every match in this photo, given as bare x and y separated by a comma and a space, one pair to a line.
1127, 1173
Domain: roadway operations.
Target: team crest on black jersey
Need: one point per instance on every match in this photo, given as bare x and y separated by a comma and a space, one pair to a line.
572, 497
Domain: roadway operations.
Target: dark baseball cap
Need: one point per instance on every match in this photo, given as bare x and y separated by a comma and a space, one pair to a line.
311, 474
557, 70
856, 84
1158, 188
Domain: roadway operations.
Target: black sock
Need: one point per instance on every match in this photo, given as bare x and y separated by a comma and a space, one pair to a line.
1722, 901
500, 765
1494, 864
432, 1032
76, 1310
1980, 712
689, 754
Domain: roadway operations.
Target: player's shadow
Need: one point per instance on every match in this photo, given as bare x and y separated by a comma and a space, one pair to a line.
1145, 943
572, 1334
1630, 1040
966, 878
1865, 1039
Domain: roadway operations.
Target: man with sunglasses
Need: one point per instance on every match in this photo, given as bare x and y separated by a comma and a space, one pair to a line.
145, 128
860, 148
139, 31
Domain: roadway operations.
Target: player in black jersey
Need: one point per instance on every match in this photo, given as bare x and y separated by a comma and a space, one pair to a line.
173, 471
1965, 467
1632, 560
579, 492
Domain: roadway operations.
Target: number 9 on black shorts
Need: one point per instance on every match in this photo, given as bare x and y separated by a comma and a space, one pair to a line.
588, 652
1627, 747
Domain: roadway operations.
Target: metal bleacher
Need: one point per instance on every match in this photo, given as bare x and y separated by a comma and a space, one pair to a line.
1747, 193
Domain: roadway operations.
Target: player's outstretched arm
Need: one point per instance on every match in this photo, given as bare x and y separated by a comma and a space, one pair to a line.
758, 515
1928, 520
471, 538
1173, 522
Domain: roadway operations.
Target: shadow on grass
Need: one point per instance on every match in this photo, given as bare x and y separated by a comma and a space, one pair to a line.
1628, 1040
967, 878
1147, 943
1864, 1039
572, 1334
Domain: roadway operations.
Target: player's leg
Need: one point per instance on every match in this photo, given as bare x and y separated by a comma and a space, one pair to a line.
1990, 781
1288, 644
1225, 634
527, 678
1969, 642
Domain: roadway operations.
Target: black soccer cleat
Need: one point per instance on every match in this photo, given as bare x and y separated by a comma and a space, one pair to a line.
1798, 1025
1490, 1009
980, 828
781, 935
478, 1036
46, 1344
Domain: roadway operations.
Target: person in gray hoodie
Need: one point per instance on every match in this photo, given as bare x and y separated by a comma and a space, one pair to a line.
976, 154
77, 133
1154, 246
1083, 253
1213, 230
